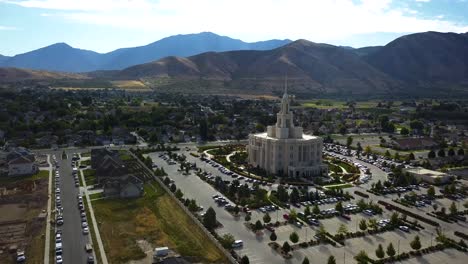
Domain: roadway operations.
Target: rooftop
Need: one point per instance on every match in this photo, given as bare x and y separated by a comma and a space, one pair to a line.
422, 171
304, 137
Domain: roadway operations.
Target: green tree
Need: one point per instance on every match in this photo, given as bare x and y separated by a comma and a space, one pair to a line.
316, 210
247, 217
173, 187
331, 260
286, 247
307, 210
410, 157
431, 192
227, 240
416, 243
321, 232
394, 219
362, 257
387, 154
453, 209
349, 141
373, 224
451, 152
266, 218
461, 152
380, 253
273, 236
244, 260
209, 219
258, 225
306, 260
404, 131
397, 156
368, 150
339, 207
391, 250
441, 153
431, 154
363, 224
179, 194
294, 237
342, 229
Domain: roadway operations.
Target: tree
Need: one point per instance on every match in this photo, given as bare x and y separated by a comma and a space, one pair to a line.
387, 154
286, 247
294, 237
379, 252
321, 232
307, 210
461, 152
431, 192
179, 194
331, 260
247, 217
410, 157
209, 219
359, 148
227, 240
339, 207
394, 219
404, 131
342, 229
416, 243
266, 218
397, 156
391, 250
244, 260
258, 225
373, 224
451, 152
306, 260
173, 187
435, 206
453, 209
362, 257
431, 154
316, 210
441, 153
349, 141
273, 236
363, 224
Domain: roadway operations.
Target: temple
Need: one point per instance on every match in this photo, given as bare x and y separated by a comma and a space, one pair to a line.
284, 149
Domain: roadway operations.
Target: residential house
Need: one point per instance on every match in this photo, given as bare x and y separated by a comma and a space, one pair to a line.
22, 165
124, 187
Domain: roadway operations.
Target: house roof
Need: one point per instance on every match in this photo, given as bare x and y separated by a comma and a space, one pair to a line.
20, 160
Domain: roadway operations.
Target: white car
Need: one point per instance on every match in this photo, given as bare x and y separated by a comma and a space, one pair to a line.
84, 224
58, 259
85, 230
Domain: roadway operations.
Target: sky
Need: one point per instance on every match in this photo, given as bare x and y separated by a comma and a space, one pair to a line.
106, 25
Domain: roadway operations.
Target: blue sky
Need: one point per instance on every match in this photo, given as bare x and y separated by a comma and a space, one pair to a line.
105, 25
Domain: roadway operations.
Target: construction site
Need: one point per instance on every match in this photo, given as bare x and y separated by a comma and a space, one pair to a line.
23, 204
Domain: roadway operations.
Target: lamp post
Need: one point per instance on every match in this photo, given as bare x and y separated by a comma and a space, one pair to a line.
398, 247
431, 238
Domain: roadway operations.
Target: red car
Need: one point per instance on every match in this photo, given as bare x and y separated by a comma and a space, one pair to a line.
345, 216
286, 216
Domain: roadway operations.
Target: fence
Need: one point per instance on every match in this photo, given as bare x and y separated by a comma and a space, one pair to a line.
202, 227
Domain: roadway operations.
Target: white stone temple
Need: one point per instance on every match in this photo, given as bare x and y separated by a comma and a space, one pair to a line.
284, 149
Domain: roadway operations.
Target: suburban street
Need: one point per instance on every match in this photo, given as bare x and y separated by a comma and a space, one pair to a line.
73, 239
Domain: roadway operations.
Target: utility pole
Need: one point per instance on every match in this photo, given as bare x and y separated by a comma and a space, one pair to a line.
431, 238
398, 247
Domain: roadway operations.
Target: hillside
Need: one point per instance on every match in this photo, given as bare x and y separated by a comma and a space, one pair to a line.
15, 74
424, 58
62, 57
311, 68
3, 58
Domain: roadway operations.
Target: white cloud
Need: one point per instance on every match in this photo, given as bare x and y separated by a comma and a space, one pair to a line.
423, 1
317, 20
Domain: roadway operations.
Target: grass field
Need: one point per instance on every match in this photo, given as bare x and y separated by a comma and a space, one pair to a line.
130, 85
156, 218
39, 175
90, 176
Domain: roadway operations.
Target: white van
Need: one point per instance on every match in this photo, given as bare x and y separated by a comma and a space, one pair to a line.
237, 244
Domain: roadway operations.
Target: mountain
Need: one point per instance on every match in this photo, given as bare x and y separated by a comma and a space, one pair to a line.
62, 57
3, 58
426, 59
182, 46
311, 67
367, 50
15, 74
56, 57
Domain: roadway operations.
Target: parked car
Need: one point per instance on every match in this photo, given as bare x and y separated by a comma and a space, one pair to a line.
238, 244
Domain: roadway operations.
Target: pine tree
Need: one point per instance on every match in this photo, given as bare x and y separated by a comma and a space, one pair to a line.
294, 237
416, 243
380, 253
391, 250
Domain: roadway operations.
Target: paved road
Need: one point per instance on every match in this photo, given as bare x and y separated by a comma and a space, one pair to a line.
73, 239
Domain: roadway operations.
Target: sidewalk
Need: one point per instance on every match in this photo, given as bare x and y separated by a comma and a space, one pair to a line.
49, 204
93, 219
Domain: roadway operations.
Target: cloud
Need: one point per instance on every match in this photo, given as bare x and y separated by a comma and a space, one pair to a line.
317, 20
422, 1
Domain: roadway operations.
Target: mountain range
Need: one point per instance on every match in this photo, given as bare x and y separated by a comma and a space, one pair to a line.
62, 57
424, 64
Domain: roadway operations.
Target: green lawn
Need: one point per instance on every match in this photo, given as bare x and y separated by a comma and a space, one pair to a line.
90, 176
86, 154
41, 174
96, 196
339, 186
155, 217
85, 162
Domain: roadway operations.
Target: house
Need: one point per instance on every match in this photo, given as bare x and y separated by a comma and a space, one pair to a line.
108, 164
123, 187
413, 143
22, 165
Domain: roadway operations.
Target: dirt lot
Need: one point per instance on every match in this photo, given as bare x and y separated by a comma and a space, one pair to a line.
21, 202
